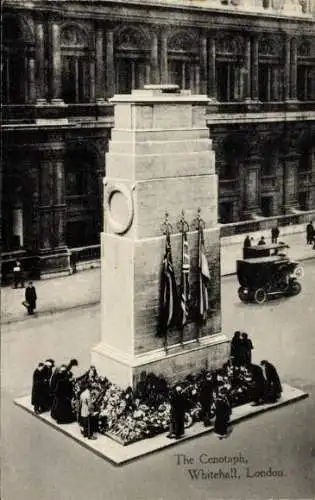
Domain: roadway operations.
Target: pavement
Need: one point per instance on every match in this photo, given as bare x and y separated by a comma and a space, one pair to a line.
84, 287
118, 454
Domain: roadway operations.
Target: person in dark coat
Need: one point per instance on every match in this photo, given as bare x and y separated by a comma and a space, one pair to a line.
178, 407
38, 399
309, 233
30, 298
56, 374
246, 349
275, 234
62, 410
48, 370
206, 398
258, 385
235, 347
262, 241
247, 242
273, 388
222, 413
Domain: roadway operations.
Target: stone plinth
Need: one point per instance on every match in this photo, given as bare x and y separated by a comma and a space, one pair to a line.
160, 160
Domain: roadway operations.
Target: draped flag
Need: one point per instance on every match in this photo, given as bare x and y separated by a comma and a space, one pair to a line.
168, 295
185, 296
204, 279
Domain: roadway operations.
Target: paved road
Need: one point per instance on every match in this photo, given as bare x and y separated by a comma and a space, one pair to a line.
40, 463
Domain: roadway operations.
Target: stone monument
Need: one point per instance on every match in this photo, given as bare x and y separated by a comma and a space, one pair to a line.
160, 160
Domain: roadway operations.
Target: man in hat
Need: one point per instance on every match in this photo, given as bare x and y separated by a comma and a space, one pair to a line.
206, 398
177, 428
85, 413
38, 388
30, 298
222, 413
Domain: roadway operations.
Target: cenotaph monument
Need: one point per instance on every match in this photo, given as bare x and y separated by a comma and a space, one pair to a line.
160, 161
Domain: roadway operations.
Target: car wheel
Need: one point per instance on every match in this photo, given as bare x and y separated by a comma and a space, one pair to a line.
260, 296
295, 288
243, 294
298, 272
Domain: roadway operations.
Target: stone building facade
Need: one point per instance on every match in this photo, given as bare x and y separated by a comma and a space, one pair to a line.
63, 61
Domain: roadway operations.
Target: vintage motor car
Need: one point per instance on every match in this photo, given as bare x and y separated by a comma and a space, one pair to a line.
268, 273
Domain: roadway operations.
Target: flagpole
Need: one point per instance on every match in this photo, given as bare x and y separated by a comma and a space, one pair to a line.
183, 227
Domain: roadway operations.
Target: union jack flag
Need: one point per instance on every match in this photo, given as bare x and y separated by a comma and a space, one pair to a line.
168, 292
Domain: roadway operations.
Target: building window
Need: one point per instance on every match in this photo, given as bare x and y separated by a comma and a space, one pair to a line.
130, 75
16, 52
183, 61
226, 212
267, 206
230, 68
225, 81
304, 82
132, 59
75, 59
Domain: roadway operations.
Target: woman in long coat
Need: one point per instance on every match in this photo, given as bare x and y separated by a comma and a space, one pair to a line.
61, 410
273, 388
39, 389
222, 413
178, 406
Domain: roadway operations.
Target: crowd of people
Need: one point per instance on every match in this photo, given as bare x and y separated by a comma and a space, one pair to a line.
207, 395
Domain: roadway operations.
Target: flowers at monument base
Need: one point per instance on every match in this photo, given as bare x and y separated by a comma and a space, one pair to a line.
131, 415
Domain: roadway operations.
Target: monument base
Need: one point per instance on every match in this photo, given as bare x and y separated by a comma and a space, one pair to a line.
174, 364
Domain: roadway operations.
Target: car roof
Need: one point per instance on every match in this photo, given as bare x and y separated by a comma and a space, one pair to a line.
272, 246
258, 260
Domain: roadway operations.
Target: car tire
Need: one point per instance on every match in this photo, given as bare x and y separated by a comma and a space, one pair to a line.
295, 288
244, 296
260, 296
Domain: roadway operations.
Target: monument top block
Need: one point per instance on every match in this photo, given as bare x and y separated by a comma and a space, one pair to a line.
162, 93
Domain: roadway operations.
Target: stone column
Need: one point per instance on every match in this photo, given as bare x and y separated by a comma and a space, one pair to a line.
289, 184
154, 59
110, 64
40, 61
255, 68
92, 79
100, 70
203, 65
293, 79
158, 175
56, 86
247, 90
163, 59
251, 191
212, 91
31, 79
287, 61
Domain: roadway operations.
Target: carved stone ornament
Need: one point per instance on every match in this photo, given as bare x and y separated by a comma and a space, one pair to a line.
183, 41
72, 36
118, 206
131, 38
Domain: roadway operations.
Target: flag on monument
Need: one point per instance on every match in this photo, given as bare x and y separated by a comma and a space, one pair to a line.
168, 295
185, 295
204, 279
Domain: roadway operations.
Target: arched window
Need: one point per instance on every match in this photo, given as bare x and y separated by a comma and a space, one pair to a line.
75, 59
229, 66
183, 61
305, 71
270, 74
132, 61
